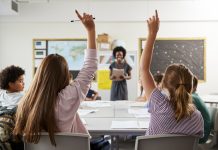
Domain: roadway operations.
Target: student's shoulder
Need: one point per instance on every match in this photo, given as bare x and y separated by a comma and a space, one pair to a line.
2, 91
158, 95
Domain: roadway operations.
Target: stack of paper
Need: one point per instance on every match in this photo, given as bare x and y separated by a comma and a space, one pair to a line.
139, 113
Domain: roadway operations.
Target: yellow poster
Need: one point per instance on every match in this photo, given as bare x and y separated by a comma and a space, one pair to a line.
104, 83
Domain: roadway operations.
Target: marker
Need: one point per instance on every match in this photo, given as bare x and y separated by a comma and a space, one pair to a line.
77, 20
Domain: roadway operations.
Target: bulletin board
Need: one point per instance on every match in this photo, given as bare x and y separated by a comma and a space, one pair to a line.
71, 49
188, 51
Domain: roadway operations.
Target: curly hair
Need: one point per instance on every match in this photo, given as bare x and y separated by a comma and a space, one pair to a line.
119, 49
10, 74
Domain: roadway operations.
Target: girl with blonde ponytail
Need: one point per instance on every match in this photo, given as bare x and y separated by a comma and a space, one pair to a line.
171, 108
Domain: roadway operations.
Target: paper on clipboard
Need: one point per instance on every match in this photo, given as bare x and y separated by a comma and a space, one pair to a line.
117, 73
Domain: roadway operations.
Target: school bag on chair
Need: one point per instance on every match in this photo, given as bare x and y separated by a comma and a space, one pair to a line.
7, 123
99, 143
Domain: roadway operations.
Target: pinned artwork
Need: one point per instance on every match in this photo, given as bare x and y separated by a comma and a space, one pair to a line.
40, 44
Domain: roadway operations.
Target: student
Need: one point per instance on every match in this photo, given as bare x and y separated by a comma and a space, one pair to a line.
171, 108
119, 86
12, 85
203, 109
157, 79
92, 95
51, 95
142, 97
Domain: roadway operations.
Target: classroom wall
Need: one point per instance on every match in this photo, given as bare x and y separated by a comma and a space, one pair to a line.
178, 19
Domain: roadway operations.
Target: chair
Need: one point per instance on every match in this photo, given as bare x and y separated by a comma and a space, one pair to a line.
213, 137
64, 141
166, 142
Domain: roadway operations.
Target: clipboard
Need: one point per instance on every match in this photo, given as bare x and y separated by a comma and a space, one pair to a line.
117, 73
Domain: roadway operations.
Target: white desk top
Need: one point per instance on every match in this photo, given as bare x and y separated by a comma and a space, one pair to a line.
99, 123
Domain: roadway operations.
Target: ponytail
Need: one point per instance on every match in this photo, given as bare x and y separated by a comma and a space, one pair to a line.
181, 102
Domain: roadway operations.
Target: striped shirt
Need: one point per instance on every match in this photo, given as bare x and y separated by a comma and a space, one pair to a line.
163, 120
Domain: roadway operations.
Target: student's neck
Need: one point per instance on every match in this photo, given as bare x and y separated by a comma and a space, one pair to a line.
11, 91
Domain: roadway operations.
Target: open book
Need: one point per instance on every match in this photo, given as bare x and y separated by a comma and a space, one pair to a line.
117, 73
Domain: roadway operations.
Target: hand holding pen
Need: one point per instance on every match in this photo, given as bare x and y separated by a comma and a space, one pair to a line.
87, 21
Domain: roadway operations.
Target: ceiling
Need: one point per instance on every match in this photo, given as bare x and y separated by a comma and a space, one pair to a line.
47, 1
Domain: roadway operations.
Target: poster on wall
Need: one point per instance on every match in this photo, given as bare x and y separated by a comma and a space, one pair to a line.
71, 50
104, 83
187, 51
40, 44
40, 54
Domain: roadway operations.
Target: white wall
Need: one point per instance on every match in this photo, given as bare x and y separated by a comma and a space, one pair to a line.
178, 19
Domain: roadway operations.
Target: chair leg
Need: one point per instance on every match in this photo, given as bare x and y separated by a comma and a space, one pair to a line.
114, 142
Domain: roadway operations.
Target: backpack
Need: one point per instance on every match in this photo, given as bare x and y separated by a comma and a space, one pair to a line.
99, 143
7, 123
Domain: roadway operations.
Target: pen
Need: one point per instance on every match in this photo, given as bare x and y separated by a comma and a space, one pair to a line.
77, 20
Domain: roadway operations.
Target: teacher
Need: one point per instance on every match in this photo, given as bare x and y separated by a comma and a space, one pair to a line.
119, 86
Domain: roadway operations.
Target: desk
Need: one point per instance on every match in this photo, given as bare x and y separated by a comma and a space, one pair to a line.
211, 99
99, 123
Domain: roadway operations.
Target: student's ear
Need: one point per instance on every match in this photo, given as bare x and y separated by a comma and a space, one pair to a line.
10, 85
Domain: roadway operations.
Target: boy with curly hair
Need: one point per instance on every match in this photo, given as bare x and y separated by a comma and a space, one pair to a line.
11, 86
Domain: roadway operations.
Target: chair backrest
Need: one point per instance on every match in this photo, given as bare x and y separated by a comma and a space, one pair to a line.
213, 137
166, 142
64, 141
214, 118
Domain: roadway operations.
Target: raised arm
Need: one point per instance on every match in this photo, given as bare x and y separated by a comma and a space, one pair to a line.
89, 24
145, 62
86, 74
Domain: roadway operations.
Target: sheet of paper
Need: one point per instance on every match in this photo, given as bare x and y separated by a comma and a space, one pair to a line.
96, 104
129, 125
142, 115
138, 104
124, 124
83, 112
138, 111
143, 124
117, 73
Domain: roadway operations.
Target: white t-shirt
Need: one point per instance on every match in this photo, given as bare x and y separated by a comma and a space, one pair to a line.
9, 100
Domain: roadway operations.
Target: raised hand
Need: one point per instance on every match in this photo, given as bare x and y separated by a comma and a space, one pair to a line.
87, 20
146, 57
153, 24
89, 24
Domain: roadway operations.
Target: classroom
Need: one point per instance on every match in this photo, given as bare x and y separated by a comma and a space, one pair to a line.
32, 29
